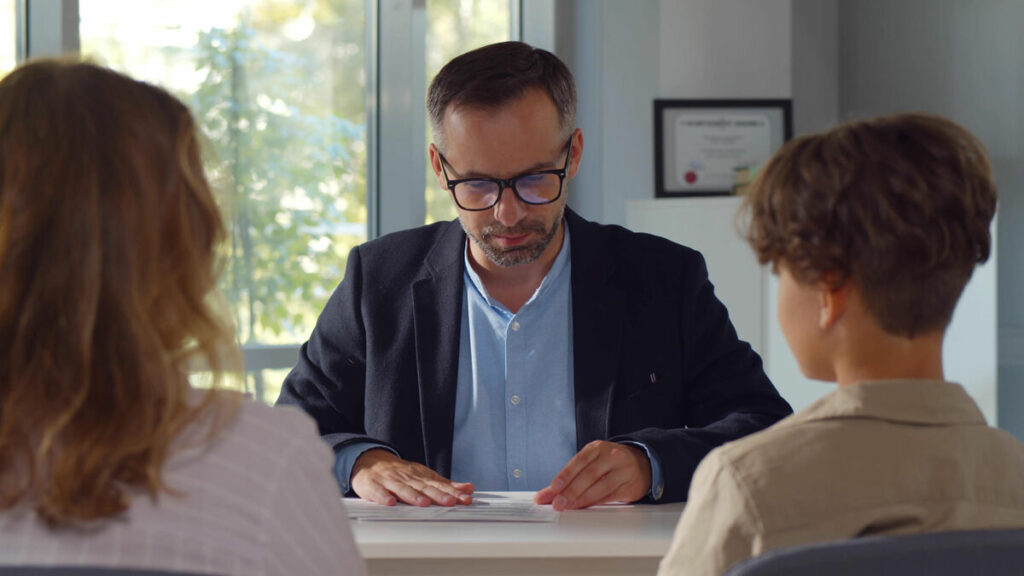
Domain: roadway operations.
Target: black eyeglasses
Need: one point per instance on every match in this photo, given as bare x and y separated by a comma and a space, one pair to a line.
475, 194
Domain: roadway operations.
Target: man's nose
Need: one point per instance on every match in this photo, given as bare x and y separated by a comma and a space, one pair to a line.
510, 209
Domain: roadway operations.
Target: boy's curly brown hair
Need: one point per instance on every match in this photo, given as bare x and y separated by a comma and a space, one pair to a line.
899, 205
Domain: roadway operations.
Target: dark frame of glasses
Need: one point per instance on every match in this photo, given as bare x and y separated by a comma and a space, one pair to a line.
510, 182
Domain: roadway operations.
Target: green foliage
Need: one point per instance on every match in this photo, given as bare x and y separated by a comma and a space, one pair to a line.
280, 94
293, 169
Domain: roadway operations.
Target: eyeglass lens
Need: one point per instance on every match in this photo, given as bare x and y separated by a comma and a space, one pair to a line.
532, 188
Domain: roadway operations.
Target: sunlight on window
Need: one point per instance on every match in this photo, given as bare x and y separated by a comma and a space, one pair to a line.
8, 33
454, 27
279, 89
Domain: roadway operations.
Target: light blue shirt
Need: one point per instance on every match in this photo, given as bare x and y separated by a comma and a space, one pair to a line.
515, 414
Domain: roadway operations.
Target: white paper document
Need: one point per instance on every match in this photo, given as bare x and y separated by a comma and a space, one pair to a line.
485, 508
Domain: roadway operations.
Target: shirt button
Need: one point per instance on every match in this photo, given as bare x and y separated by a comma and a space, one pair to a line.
515, 326
517, 473
515, 400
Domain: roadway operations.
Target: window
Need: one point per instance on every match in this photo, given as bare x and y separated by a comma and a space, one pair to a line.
454, 27
312, 110
279, 89
8, 34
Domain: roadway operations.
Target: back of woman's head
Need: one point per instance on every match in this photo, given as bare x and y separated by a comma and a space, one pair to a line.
108, 236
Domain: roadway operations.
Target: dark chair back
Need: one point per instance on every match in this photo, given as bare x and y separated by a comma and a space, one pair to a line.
991, 553
88, 571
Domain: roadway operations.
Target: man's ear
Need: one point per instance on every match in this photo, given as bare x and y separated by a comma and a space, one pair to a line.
831, 303
577, 153
435, 164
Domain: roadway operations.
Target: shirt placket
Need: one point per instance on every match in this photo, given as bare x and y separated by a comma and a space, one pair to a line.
515, 405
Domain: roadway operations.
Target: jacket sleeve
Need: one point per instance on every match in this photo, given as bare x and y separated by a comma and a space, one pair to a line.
725, 393
329, 380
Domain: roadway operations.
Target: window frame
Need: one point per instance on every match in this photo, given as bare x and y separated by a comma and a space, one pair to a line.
395, 115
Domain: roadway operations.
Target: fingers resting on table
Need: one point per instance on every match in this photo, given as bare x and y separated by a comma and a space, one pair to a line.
601, 472
380, 476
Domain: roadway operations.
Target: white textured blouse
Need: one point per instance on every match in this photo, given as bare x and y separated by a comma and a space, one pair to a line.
259, 500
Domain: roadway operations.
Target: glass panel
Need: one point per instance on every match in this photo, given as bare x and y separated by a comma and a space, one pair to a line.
279, 88
265, 385
454, 27
8, 34
261, 385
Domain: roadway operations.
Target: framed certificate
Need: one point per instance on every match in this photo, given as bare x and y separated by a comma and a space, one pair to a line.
701, 145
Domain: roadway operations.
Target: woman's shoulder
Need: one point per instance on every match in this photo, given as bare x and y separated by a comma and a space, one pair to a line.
278, 419
255, 435
274, 426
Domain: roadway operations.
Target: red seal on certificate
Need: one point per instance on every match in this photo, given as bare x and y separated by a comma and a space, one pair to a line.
690, 177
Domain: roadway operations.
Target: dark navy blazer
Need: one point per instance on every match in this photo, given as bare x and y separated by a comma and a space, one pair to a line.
656, 359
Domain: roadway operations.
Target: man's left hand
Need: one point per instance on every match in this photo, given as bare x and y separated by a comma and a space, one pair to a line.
601, 472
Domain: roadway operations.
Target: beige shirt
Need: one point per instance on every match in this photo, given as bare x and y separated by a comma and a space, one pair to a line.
890, 457
260, 500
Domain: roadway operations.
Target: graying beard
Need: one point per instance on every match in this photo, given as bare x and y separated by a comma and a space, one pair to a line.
503, 258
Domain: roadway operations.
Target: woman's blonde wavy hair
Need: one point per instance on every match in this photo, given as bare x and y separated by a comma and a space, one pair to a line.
109, 236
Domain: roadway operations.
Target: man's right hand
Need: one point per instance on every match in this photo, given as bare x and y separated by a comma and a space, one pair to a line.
380, 476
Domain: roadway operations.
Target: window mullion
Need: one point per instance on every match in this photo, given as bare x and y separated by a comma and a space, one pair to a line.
401, 115
51, 28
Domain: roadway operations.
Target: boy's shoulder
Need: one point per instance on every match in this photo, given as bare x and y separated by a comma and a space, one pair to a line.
793, 436
796, 449
868, 450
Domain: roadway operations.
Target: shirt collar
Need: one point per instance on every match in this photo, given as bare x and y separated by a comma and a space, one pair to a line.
557, 269
923, 402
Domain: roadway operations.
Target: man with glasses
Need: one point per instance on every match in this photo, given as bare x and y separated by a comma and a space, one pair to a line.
523, 347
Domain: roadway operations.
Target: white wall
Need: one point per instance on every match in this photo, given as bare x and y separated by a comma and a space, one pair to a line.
725, 49
614, 55
815, 52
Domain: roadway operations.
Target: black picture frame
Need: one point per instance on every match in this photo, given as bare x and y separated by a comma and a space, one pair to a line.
776, 113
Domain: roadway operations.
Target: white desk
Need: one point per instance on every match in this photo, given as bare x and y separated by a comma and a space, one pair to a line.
620, 540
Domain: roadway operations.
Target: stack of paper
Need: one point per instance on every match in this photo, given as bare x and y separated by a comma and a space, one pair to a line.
484, 508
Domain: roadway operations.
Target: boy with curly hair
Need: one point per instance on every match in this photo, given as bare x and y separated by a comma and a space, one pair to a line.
874, 228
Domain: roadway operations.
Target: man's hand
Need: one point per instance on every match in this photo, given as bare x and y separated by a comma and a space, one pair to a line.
380, 476
601, 472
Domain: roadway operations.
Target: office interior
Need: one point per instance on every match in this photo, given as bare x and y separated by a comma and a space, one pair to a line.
835, 59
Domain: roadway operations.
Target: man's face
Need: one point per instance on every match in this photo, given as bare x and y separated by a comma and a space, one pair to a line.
522, 137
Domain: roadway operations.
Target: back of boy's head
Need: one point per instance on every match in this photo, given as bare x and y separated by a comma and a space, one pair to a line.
900, 206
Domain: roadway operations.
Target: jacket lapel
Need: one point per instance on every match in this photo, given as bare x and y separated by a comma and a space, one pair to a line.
598, 317
437, 318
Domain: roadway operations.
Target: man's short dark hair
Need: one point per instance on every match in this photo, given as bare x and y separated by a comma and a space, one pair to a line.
497, 74
899, 205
